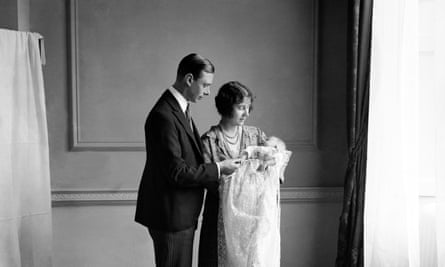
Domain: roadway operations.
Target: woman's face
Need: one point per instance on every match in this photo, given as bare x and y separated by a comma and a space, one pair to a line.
240, 112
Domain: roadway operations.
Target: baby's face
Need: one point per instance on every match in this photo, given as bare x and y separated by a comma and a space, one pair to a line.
276, 143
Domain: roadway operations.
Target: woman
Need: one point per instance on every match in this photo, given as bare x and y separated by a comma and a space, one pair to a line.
223, 141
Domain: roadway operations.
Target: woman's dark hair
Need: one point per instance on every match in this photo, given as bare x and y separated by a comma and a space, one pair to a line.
194, 64
230, 94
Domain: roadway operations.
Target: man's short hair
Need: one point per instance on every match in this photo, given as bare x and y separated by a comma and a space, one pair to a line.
194, 64
229, 94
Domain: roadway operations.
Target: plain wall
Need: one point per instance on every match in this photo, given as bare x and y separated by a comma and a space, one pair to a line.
14, 15
105, 235
9, 14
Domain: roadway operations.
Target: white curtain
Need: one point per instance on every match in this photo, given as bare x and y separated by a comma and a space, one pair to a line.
437, 132
25, 200
391, 233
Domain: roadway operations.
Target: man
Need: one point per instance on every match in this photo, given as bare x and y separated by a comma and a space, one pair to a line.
172, 186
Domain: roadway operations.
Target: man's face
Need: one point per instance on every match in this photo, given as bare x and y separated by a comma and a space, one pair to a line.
200, 87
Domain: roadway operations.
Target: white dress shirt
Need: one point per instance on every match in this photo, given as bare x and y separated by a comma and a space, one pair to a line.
180, 98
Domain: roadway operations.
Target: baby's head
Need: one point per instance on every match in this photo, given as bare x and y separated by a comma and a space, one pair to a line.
275, 142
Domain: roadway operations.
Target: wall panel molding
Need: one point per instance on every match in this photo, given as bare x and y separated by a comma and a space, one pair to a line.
312, 143
128, 197
77, 143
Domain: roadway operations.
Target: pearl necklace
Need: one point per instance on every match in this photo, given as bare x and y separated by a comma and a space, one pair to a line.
233, 140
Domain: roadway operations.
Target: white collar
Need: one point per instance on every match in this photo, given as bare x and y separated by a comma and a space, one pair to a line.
179, 97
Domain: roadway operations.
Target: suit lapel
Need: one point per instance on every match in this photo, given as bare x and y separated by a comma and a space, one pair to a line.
197, 137
180, 116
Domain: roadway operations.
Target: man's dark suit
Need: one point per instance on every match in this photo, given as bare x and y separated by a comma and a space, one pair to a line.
172, 186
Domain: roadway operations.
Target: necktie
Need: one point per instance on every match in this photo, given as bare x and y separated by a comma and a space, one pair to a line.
189, 118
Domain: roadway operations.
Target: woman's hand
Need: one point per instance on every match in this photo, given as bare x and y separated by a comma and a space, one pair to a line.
267, 161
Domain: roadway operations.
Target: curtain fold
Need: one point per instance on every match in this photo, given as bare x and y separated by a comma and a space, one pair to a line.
25, 199
350, 239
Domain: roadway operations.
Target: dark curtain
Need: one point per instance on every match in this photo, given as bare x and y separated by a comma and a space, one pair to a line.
350, 239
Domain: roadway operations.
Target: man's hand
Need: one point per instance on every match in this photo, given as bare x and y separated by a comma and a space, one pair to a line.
228, 166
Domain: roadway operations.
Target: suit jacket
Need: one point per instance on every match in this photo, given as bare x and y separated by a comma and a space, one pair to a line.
172, 186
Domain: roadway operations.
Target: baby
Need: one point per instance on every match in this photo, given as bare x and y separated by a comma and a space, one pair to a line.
276, 143
264, 153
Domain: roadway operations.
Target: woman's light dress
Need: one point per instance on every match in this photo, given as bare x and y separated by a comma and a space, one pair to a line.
241, 225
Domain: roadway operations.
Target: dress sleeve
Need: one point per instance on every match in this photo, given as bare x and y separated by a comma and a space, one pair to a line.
207, 149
